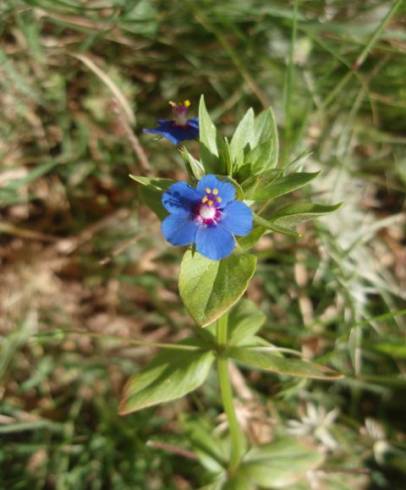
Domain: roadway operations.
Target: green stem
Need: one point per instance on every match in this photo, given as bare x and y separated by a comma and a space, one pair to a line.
236, 436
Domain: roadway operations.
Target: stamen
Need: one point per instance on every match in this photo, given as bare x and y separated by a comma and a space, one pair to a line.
210, 203
215, 192
179, 112
205, 199
208, 190
218, 199
187, 103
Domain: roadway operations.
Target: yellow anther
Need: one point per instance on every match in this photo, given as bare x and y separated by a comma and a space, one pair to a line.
208, 190
218, 199
187, 103
210, 203
205, 199
215, 192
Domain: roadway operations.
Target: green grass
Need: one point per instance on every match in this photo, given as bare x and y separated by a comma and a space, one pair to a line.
84, 268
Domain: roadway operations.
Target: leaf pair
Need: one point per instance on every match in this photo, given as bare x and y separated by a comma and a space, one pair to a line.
180, 370
175, 373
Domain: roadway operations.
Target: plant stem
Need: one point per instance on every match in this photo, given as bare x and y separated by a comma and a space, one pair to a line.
236, 436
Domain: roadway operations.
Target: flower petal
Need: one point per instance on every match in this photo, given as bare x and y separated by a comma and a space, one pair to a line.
174, 133
214, 242
237, 218
226, 190
163, 133
193, 122
180, 198
179, 230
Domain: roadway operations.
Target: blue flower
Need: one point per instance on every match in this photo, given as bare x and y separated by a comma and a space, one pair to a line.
208, 216
180, 128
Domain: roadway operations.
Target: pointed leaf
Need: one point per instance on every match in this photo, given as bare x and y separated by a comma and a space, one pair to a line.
253, 183
209, 288
171, 375
160, 184
261, 157
266, 137
244, 322
296, 213
252, 239
243, 135
150, 192
276, 363
282, 186
225, 161
207, 137
269, 225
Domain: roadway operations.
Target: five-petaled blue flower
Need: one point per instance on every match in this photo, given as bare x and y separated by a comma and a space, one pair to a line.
208, 216
179, 128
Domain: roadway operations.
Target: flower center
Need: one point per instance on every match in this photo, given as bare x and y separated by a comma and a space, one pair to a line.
208, 211
179, 112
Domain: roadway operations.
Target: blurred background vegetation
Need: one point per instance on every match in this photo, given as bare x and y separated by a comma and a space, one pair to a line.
84, 269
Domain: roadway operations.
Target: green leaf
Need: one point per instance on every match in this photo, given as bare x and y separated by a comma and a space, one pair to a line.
282, 186
260, 157
194, 167
171, 375
293, 214
281, 463
151, 197
209, 288
244, 322
276, 363
269, 225
207, 136
243, 135
225, 161
255, 182
150, 192
252, 239
265, 152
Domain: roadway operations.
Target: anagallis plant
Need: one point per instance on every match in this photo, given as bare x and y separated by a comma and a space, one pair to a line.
219, 215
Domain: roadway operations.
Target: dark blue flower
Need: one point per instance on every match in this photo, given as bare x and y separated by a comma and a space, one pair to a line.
208, 216
179, 128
